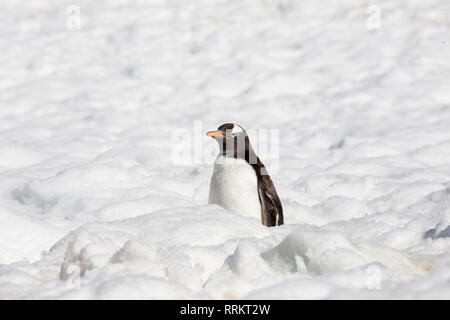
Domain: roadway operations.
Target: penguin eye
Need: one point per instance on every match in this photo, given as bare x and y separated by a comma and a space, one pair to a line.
236, 133
237, 130
231, 130
229, 133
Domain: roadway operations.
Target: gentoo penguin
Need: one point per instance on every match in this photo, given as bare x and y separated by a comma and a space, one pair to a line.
240, 182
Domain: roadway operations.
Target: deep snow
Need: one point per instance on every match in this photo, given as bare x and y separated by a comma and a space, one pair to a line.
92, 205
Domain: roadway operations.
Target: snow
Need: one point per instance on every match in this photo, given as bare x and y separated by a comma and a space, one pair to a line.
93, 205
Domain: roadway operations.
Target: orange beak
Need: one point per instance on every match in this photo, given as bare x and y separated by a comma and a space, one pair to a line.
215, 134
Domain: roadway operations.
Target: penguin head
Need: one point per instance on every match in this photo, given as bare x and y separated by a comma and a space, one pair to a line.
227, 131
233, 141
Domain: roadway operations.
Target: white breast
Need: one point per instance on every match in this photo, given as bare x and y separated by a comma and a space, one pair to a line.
234, 187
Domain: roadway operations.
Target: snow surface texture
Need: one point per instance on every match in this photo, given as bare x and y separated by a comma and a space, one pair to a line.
91, 206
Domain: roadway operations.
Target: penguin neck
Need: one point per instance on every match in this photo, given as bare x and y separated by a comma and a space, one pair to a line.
238, 149
231, 150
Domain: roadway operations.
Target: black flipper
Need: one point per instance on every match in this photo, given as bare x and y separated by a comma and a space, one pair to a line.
271, 209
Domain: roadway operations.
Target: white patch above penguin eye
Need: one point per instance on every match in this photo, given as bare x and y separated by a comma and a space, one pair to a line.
237, 129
